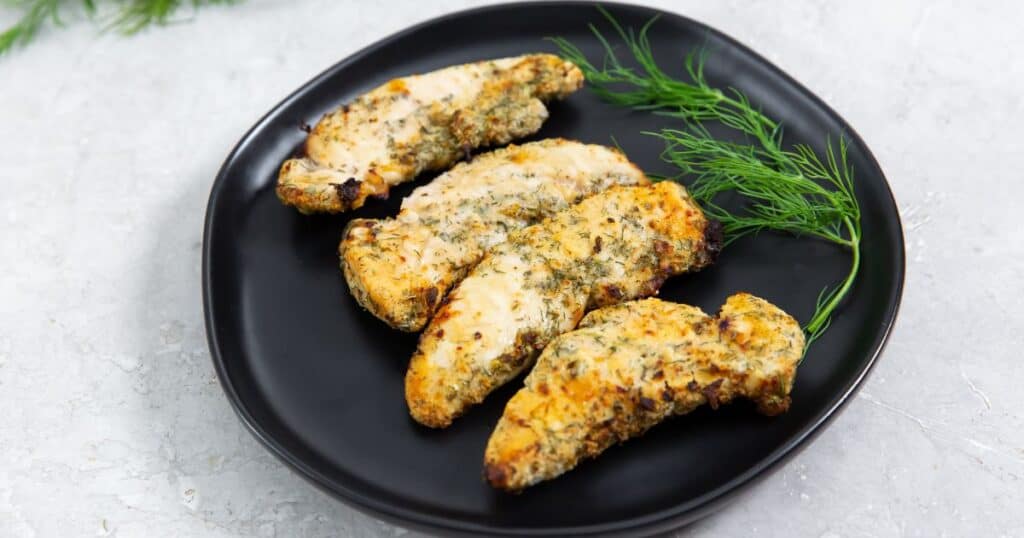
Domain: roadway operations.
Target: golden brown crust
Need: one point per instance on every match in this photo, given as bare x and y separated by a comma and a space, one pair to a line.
418, 123
612, 247
630, 366
401, 268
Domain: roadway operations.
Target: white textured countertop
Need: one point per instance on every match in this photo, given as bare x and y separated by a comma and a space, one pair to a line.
112, 421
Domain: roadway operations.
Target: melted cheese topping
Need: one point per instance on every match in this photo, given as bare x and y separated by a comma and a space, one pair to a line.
446, 226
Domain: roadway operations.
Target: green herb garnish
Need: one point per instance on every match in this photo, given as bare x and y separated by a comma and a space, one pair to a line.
787, 190
128, 17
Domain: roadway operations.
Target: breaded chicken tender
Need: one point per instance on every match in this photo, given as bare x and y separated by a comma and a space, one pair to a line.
615, 246
401, 268
418, 123
630, 366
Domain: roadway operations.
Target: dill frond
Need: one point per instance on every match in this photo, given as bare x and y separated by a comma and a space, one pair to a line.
35, 14
136, 15
127, 17
785, 190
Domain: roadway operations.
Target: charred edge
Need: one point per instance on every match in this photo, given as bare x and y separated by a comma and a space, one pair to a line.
443, 313
774, 398
661, 248
714, 239
514, 360
305, 127
497, 474
370, 230
647, 404
430, 295
711, 393
654, 283
531, 340
614, 292
348, 191
773, 405
528, 345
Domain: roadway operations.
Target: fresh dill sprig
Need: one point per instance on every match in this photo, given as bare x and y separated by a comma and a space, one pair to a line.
36, 13
695, 101
137, 15
126, 17
805, 197
785, 190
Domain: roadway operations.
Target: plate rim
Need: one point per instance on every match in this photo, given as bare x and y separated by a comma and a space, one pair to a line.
659, 520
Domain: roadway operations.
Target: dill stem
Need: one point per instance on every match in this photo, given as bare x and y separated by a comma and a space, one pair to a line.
823, 315
786, 190
742, 106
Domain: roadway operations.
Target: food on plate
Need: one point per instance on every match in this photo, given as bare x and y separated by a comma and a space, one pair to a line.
421, 122
632, 365
615, 246
794, 189
401, 268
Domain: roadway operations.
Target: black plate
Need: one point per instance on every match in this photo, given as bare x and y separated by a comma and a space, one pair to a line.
319, 381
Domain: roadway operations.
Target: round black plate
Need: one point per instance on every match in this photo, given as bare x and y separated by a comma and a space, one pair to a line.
320, 382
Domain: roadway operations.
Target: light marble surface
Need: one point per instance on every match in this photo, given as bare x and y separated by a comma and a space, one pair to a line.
111, 419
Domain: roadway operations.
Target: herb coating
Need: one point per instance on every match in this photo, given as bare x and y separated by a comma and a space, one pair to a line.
400, 268
629, 367
418, 123
539, 283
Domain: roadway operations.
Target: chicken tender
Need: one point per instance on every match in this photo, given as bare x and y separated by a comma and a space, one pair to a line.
421, 122
630, 366
615, 246
400, 269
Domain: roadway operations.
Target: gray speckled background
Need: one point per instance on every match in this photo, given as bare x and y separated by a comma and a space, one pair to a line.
111, 419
